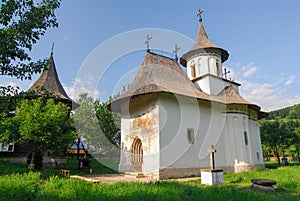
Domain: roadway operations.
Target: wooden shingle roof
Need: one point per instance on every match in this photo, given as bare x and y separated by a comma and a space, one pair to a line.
160, 74
50, 82
202, 45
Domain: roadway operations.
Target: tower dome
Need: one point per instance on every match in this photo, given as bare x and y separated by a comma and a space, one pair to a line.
202, 46
204, 64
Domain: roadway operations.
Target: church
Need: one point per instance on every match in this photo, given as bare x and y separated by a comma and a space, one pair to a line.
170, 118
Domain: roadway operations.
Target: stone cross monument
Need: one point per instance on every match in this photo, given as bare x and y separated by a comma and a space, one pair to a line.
212, 152
212, 176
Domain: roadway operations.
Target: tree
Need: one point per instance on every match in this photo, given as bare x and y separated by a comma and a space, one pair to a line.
99, 128
22, 23
297, 142
109, 122
86, 123
276, 135
41, 122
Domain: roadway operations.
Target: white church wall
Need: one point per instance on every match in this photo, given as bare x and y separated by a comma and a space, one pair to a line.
243, 145
254, 138
239, 158
177, 115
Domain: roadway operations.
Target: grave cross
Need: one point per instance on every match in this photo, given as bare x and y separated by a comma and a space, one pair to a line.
212, 152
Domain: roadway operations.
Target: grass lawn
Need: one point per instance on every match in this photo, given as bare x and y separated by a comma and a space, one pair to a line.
17, 184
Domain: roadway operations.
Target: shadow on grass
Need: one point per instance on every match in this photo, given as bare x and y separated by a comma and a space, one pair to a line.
274, 165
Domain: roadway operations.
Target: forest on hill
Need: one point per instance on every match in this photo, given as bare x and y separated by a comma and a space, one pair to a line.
288, 112
280, 133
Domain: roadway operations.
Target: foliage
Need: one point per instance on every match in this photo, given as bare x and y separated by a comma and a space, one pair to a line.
98, 127
22, 23
35, 157
11, 96
276, 136
86, 123
280, 132
41, 122
109, 122
292, 112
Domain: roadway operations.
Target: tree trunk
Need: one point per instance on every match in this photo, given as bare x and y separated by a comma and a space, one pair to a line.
278, 159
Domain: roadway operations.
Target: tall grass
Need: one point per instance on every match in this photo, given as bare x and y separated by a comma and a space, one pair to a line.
32, 186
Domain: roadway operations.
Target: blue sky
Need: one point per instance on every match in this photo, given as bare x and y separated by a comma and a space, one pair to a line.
262, 38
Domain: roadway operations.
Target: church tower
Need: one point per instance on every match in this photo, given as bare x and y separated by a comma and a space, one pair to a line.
49, 81
204, 64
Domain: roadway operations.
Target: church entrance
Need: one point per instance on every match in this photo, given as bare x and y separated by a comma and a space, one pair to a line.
137, 155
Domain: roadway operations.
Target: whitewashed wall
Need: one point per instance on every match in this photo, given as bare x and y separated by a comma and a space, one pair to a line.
142, 124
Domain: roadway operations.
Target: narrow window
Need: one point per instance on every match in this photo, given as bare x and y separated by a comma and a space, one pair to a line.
193, 70
218, 67
257, 155
191, 135
246, 137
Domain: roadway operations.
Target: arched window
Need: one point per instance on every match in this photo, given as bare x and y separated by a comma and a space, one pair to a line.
137, 151
212, 66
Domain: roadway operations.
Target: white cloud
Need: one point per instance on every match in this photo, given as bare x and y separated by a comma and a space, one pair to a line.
268, 92
269, 97
290, 80
80, 86
249, 70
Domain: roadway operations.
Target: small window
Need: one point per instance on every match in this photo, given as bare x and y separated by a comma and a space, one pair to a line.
218, 67
7, 147
191, 135
257, 155
246, 137
193, 70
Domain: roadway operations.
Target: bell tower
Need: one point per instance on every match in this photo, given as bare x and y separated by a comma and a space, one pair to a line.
204, 64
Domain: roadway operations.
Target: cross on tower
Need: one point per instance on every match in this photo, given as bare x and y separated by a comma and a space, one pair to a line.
226, 72
199, 14
212, 152
147, 42
176, 51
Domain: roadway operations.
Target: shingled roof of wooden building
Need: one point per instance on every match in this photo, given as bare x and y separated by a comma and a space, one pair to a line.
50, 82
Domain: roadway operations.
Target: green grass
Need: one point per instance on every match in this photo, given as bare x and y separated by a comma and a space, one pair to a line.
7, 168
32, 186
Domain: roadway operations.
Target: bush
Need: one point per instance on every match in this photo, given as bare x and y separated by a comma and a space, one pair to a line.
37, 158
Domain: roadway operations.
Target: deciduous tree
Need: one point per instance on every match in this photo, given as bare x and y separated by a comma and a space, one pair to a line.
276, 135
22, 23
42, 122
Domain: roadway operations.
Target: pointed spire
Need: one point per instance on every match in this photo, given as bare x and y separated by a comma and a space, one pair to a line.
52, 48
202, 40
202, 45
49, 80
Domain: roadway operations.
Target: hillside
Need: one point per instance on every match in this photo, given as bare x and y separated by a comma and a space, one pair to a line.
292, 112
